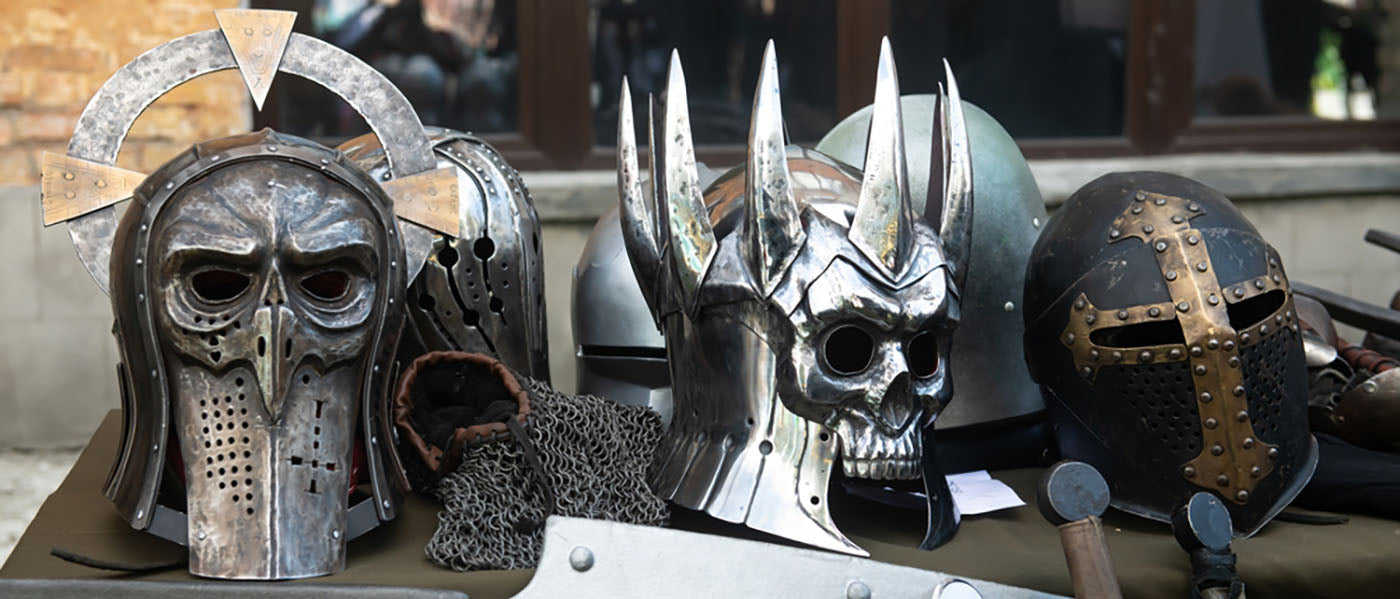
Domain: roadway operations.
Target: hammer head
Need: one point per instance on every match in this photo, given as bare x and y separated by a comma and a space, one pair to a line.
1071, 491
1202, 523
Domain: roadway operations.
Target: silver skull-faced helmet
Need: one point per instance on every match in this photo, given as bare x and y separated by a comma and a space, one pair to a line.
622, 356
807, 310
482, 288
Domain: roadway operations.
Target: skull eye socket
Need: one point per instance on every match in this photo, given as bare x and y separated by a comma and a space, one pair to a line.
922, 354
327, 285
218, 285
848, 350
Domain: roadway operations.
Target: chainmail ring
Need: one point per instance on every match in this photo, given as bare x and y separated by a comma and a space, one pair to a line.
595, 454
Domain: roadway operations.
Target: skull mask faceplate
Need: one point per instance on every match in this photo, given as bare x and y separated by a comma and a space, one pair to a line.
811, 319
270, 281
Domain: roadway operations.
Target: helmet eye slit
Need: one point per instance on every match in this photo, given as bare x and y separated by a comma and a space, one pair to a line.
327, 285
1142, 334
1251, 311
219, 285
848, 350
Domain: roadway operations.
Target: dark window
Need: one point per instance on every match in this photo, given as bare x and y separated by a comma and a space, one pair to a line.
1067, 77
721, 48
1043, 69
455, 60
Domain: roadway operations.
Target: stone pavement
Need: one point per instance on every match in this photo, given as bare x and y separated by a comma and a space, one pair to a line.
26, 479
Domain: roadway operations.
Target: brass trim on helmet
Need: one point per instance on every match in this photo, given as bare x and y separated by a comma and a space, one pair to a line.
1233, 458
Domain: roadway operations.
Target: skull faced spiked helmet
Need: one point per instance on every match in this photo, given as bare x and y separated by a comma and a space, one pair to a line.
807, 310
256, 282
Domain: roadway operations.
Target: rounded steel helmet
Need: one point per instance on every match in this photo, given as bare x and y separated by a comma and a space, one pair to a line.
256, 282
1161, 329
482, 288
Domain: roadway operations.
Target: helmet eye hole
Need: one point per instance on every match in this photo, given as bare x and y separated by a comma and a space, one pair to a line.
922, 354
1252, 311
848, 350
218, 285
327, 285
1142, 334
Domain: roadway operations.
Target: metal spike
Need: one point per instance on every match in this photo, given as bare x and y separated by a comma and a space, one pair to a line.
637, 212
937, 165
955, 227
883, 225
772, 224
688, 222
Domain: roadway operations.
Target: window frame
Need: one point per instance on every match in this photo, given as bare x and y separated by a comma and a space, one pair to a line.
556, 121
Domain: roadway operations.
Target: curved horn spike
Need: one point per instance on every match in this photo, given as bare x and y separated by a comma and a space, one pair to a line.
637, 213
687, 221
883, 224
955, 224
772, 224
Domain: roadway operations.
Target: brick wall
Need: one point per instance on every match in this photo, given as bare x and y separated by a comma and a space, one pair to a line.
54, 54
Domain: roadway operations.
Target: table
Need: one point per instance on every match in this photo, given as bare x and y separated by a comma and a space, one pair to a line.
1360, 558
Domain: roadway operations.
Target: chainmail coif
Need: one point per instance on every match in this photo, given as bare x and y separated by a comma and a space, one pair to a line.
595, 454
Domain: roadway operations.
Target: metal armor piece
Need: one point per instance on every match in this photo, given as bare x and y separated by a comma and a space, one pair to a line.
482, 288
255, 283
621, 355
1010, 212
252, 282
806, 310
596, 558
112, 110
1162, 330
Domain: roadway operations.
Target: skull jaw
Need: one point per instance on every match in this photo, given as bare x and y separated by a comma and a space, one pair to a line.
869, 452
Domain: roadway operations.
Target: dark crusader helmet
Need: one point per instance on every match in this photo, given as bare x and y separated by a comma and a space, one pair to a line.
1161, 329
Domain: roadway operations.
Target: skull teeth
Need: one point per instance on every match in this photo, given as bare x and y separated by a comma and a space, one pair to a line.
886, 469
865, 453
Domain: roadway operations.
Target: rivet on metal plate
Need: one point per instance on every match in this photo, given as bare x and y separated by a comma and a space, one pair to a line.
857, 590
581, 559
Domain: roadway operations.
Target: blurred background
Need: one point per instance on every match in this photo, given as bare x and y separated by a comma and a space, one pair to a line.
1290, 107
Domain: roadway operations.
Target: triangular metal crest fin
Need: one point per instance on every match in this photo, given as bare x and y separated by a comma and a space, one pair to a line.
257, 38
71, 187
429, 198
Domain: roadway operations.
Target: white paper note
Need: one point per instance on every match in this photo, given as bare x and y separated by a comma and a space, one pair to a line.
978, 493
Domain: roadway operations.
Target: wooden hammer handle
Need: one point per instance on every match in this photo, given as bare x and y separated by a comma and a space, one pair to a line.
1086, 553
